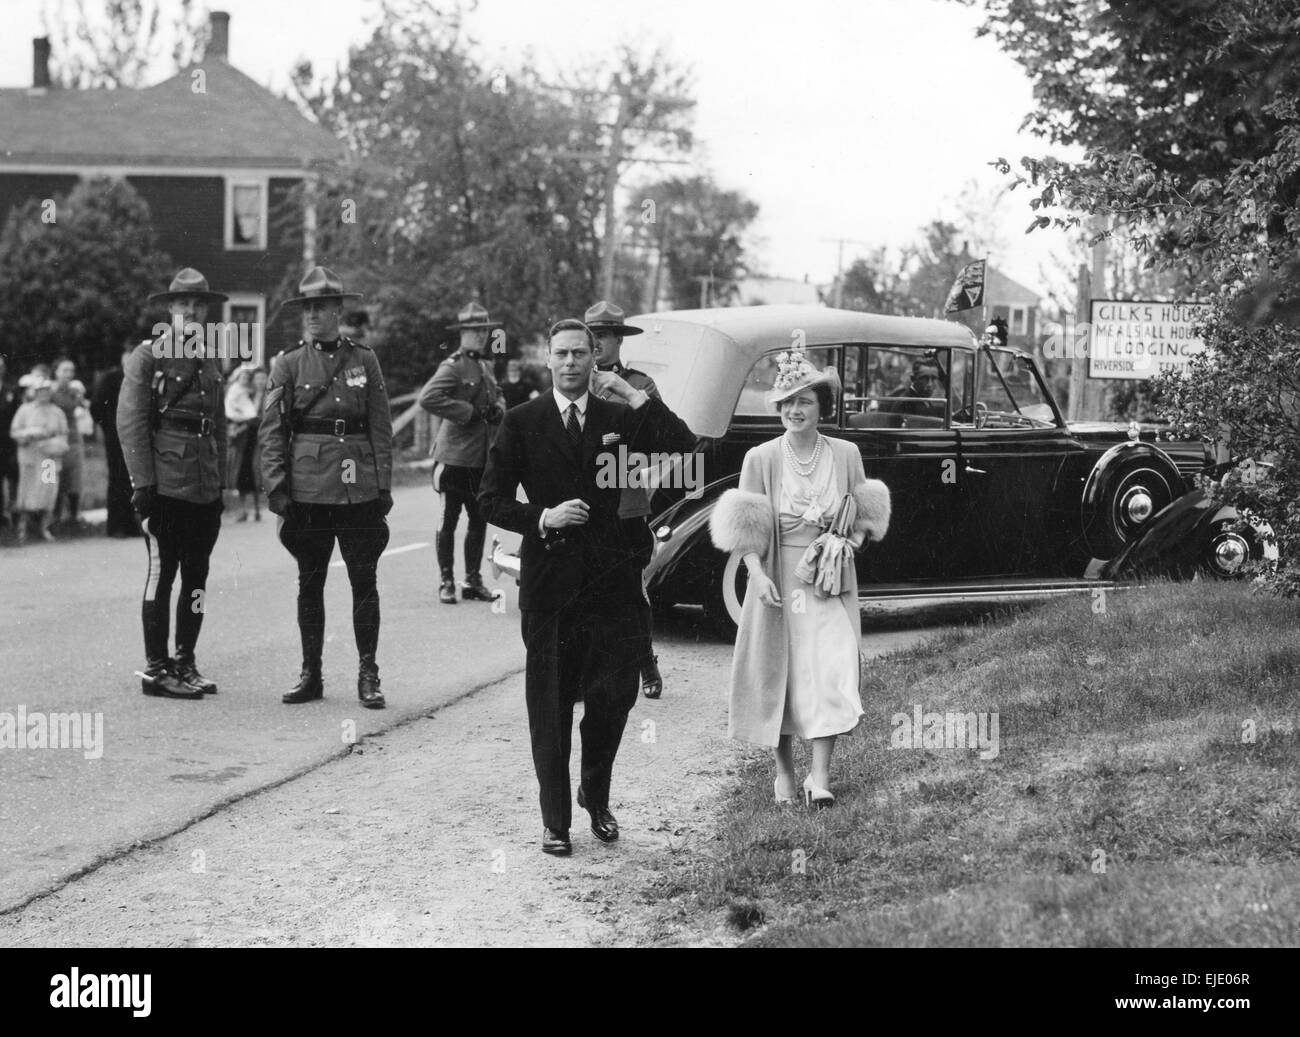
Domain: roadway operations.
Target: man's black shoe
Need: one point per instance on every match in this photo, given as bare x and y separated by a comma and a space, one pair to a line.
309, 688
368, 684
473, 590
652, 684
159, 679
556, 843
603, 825
189, 674
447, 592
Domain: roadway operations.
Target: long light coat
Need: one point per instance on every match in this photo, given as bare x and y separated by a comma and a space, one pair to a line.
745, 520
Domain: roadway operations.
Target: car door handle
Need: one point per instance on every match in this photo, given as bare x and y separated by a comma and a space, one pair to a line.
976, 471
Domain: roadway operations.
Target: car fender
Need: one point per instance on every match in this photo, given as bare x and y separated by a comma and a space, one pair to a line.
1127, 476
1181, 540
681, 530
1115, 458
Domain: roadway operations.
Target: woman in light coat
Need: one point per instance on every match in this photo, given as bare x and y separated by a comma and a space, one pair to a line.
41, 431
242, 416
797, 669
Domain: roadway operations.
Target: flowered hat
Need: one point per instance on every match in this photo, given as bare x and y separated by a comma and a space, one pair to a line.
794, 371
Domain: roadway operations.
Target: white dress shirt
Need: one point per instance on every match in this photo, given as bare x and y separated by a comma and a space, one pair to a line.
563, 403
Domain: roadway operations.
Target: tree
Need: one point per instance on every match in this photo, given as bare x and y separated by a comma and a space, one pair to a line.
1187, 111
119, 45
74, 275
698, 229
875, 285
463, 182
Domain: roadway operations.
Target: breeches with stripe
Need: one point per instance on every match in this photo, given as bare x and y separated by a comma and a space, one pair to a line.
179, 535
308, 533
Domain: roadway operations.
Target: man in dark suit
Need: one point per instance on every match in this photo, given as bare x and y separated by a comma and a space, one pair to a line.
580, 579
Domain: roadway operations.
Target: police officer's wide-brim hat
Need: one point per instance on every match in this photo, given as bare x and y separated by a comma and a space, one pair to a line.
607, 317
321, 284
189, 283
474, 316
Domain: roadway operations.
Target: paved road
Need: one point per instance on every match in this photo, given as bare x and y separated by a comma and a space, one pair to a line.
70, 641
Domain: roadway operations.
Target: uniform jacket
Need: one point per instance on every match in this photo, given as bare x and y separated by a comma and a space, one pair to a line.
635, 501
461, 392
184, 465
590, 567
745, 520
316, 467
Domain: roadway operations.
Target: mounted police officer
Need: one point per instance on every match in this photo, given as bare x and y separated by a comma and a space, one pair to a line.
327, 467
172, 426
464, 393
606, 322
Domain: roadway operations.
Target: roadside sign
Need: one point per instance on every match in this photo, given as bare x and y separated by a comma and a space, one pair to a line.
1135, 340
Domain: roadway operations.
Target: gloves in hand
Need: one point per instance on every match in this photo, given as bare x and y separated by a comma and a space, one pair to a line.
145, 501
385, 501
278, 504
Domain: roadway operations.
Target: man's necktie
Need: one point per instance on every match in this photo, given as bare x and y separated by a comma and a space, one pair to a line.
572, 427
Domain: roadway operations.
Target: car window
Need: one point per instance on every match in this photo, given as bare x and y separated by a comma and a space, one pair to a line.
1008, 389
895, 386
962, 391
752, 405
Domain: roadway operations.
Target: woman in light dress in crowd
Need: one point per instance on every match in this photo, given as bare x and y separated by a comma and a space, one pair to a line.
242, 418
40, 429
796, 670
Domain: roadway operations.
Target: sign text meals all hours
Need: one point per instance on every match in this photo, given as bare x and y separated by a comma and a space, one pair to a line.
1137, 339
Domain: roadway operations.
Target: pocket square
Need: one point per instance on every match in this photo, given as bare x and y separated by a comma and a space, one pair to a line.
610, 438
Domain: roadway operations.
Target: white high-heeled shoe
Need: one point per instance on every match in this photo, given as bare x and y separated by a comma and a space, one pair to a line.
776, 791
815, 797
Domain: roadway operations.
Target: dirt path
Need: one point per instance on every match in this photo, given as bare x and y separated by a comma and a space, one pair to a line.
428, 835
425, 835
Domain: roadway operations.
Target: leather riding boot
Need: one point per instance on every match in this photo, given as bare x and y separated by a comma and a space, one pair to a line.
160, 680
310, 686
447, 589
474, 589
189, 673
368, 683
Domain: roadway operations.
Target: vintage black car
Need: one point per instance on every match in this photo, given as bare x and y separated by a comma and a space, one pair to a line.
995, 497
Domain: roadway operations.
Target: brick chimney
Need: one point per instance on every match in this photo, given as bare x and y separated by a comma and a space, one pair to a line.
219, 39
41, 63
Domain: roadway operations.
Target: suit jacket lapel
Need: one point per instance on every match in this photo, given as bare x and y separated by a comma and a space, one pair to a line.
593, 431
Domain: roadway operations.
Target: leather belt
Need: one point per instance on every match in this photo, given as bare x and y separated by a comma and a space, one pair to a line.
183, 423
332, 426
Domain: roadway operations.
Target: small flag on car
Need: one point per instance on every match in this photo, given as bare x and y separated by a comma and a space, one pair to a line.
968, 290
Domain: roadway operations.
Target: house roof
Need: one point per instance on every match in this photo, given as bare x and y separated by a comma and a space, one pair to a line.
1002, 291
233, 122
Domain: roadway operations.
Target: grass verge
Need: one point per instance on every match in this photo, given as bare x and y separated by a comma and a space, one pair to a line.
1143, 792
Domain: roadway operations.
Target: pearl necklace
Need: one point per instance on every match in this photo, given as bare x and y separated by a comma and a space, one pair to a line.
804, 468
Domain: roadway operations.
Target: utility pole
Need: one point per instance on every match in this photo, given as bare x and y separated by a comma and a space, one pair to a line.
1096, 391
839, 269
662, 217
1079, 364
613, 158
611, 190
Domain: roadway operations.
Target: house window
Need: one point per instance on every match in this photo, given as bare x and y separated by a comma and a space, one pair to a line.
1019, 323
245, 214
244, 314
